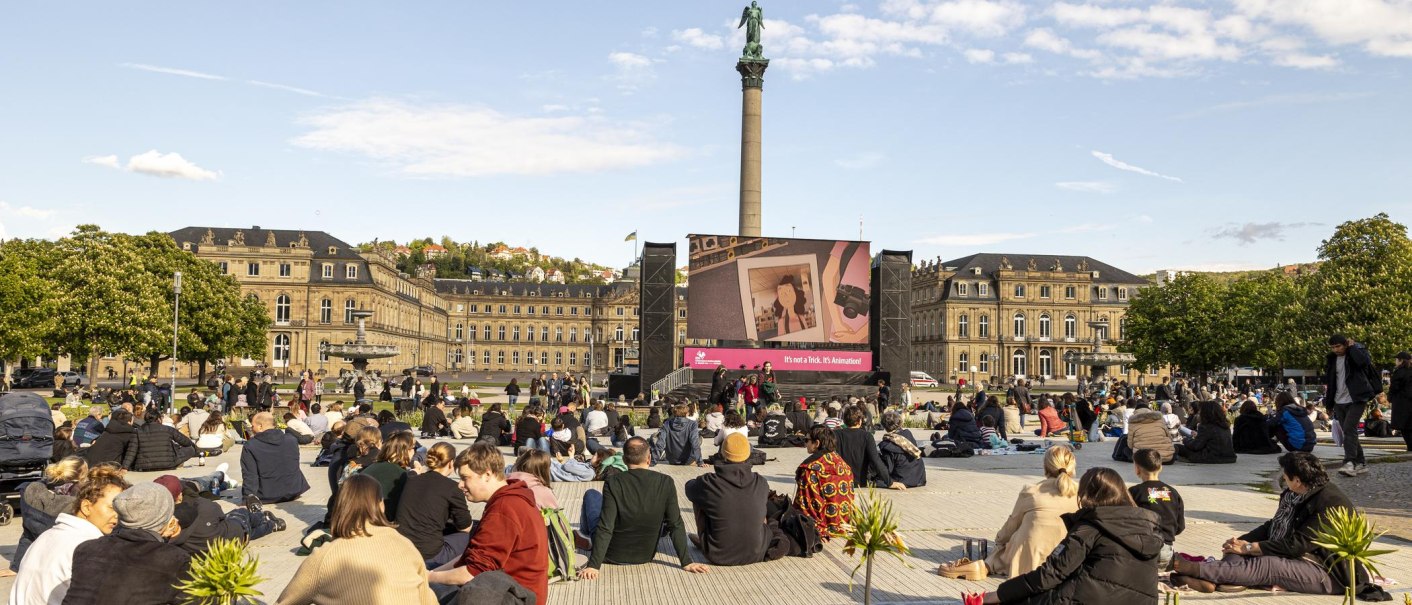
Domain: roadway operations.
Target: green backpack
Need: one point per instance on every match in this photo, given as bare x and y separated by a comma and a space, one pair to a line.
561, 544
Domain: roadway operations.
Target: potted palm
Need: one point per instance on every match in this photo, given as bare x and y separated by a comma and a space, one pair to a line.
873, 530
1349, 536
225, 575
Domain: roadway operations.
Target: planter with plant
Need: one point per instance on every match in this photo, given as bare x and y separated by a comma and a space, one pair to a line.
873, 530
1348, 536
226, 574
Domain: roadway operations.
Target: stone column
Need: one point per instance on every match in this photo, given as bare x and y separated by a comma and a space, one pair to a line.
752, 80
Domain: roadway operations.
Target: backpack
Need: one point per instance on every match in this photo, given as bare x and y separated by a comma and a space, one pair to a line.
561, 544
26, 431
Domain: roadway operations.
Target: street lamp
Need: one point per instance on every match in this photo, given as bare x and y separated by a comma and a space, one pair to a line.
176, 317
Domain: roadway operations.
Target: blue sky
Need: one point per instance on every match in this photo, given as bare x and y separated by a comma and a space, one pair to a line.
1183, 134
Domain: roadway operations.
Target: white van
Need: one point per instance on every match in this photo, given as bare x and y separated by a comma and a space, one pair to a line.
922, 379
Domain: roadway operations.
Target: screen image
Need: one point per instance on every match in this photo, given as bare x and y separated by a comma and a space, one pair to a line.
778, 289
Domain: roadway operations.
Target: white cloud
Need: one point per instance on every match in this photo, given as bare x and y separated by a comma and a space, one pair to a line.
155, 163
29, 212
1107, 158
1303, 61
862, 161
1017, 58
632, 70
293, 89
472, 141
694, 36
1250, 233
553, 107
1144, 219
978, 55
1382, 27
979, 17
973, 239
1046, 40
1089, 15
174, 71
1087, 186
627, 60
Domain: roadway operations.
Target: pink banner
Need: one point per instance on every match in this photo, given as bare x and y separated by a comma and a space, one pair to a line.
783, 360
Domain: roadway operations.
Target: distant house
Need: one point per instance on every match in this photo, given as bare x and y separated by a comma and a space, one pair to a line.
501, 253
401, 252
520, 252
554, 276
433, 251
535, 274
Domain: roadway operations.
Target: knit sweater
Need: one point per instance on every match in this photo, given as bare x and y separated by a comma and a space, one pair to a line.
382, 567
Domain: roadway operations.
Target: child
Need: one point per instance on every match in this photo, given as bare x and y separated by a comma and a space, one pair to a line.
1160, 498
989, 434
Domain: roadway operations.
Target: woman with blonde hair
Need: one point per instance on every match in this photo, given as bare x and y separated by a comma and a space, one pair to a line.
1035, 525
367, 561
42, 501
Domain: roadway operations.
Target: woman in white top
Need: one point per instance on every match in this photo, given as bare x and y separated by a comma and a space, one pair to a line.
210, 439
596, 423
734, 424
45, 573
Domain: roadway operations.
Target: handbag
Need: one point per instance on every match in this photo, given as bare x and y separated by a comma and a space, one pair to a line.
1336, 428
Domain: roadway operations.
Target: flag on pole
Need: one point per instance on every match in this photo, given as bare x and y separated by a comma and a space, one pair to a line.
632, 237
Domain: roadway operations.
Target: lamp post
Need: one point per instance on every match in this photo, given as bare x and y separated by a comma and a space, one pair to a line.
973, 378
176, 317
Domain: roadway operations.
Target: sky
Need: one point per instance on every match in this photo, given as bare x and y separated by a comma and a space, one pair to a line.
1207, 135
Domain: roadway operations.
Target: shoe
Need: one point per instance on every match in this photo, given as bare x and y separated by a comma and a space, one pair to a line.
222, 468
964, 569
1348, 470
253, 505
582, 542
277, 522
1361, 469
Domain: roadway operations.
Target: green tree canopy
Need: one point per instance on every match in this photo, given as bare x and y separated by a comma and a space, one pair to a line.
29, 299
1363, 288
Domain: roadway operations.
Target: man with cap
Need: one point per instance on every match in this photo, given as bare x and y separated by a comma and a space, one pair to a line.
1351, 382
1399, 394
730, 510
134, 564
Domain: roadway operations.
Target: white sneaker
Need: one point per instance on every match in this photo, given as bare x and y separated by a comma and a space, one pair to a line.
1361, 469
1348, 470
223, 467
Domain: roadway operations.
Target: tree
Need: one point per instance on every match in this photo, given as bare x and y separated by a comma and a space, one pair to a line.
1179, 324
28, 298
1361, 288
1266, 314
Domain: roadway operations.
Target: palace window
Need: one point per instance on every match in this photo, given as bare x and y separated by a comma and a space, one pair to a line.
985, 363
485, 334
285, 270
573, 334
500, 332
1044, 291
348, 308
1069, 292
1071, 327
1017, 363
1122, 293
544, 334
281, 352
252, 269
1019, 324
514, 358
1046, 363
323, 355
485, 357
517, 309
282, 309
983, 289
531, 309
325, 311
983, 326
964, 361
544, 358
499, 358
618, 334
961, 288
328, 270
460, 331
1103, 293
573, 356
1019, 290
516, 332
225, 267
963, 326
558, 333
558, 310
558, 358
1044, 326
350, 271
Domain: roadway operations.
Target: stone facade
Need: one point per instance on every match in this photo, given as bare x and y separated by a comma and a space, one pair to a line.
1018, 314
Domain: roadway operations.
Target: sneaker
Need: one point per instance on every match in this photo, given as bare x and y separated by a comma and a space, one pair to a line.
1361, 469
582, 542
222, 468
1348, 470
278, 523
253, 505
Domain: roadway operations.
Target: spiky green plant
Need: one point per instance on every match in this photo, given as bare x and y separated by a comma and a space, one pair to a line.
872, 530
225, 575
1348, 535
413, 418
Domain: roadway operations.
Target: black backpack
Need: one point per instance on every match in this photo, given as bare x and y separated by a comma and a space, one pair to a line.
26, 431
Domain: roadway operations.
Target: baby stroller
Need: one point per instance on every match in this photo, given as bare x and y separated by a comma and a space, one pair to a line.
26, 442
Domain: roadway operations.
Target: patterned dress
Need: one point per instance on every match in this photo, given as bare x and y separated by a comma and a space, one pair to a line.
824, 492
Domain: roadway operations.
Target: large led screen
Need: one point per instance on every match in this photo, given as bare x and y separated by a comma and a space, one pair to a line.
776, 289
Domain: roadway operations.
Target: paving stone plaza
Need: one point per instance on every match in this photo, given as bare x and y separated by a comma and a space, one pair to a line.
963, 498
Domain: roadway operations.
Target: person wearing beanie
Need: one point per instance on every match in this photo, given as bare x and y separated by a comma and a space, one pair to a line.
730, 510
134, 564
202, 520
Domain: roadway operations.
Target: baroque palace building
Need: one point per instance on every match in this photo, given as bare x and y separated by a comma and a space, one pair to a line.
992, 316
311, 282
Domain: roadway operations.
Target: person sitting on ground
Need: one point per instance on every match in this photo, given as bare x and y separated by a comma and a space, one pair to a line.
995, 411
298, 429
134, 563
834, 419
63, 444
1049, 421
1376, 425
362, 535
117, 444
1251, 432
432, 512
730, 507
1160, 498
434, 422
856, 446
1108, 555
463, 423
269, 464
715, 421
211, 436
1291, 425
992, 438
494, 427
824, 484
596, 423
774, 428
90, 427
529, 429
679, 441
566, 464
42, 501
563, 440
334, 412
622, 523
202, 520
192, 420
1036, 524
1281, 552
160, 447
317, 421
1146, 430
510, 536
44, 576
393, 465
900, 454
1212, 442
533, 467
963, 428
733, 423
389, 424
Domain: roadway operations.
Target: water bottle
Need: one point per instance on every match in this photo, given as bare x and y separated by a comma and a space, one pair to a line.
201, 461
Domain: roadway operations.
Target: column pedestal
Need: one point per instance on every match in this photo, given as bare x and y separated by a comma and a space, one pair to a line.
752, 80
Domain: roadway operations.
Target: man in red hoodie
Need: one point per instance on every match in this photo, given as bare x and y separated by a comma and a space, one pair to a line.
510, 536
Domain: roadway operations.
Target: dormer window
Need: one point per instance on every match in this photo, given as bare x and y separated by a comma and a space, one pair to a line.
333, 249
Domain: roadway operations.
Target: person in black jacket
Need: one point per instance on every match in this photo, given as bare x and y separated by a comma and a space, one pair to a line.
718, 386
160, 447
118, 443
202, 520
1350, 382
432, 513
434, 423
269, 463
1212, 442
730, 510
992, 408
1251, 434
494, 427
1281, 552
134, 564
900, 454
962, 428
1399, 394
856, 446
1109, 555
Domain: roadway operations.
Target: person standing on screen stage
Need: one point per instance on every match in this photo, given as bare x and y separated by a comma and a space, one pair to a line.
789, 306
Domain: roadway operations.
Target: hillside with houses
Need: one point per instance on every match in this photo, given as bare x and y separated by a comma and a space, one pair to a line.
495, 261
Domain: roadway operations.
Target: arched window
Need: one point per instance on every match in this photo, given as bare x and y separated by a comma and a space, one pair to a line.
1071, 369
500, 334
573, 335
282, 309
544, 334
1071, 327
558, 333
983, 326
618, 334
1019, 325
1044, 326
1017, 363
985, 363
964, 361
544, 358
963, 326
281, 352
460, 356
1046, 363
634, 334
460, 331
348, 307
325, 311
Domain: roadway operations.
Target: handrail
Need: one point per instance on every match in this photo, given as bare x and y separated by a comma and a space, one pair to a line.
679, 377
